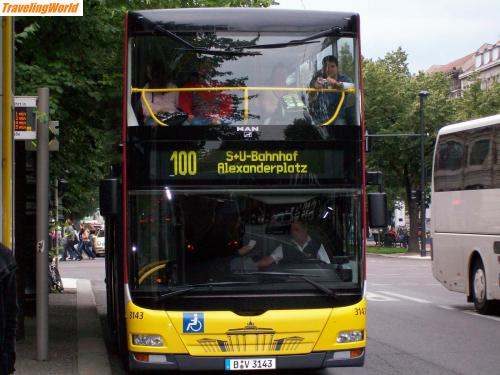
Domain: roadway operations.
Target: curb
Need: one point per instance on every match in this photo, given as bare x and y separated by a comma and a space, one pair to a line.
402, 256
92, 353
69, 284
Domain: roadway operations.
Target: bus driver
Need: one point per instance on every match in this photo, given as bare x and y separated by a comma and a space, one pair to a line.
302, 247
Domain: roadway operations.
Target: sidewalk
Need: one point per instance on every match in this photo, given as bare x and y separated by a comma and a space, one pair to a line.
402, 255
76, 345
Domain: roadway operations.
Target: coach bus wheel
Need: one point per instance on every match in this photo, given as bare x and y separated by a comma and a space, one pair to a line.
482, 304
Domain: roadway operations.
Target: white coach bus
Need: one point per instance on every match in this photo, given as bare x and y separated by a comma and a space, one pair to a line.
465, 212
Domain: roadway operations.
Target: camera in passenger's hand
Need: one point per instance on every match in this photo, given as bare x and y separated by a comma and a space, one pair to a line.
323, 82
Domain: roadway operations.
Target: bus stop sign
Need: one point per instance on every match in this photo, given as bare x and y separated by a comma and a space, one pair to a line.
25, 117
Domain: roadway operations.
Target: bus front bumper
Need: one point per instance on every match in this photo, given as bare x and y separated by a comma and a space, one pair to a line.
190, 363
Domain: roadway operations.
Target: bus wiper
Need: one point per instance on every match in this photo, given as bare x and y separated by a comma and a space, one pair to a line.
173, 293
224, 283
278, 45
335, 31
208, 51
304, 277
177, 292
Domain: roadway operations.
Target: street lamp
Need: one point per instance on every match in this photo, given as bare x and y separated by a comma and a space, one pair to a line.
423, 252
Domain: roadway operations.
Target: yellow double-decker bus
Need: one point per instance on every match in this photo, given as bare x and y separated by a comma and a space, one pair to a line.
235, 225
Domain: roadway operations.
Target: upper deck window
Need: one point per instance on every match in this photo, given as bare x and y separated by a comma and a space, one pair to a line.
245, 79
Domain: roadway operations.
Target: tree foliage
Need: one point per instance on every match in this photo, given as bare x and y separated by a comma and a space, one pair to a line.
392, 107
80, 60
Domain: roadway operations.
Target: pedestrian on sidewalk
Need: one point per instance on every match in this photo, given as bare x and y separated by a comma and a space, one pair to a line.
8, 311
86, 244
69, 241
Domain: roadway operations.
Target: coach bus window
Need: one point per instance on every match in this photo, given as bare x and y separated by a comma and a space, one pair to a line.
496, 156
449, 170
479, 152
477, 173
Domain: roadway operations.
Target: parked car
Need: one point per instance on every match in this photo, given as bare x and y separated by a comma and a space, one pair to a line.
98, 243
279, 223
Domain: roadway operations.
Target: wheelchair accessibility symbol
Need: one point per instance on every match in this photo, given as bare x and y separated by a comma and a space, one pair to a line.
193, 322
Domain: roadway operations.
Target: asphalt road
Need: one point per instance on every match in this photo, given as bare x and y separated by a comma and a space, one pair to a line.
415, 325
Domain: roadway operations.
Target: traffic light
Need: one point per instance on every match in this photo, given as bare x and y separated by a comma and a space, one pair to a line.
415, 195
62, 186
427, 200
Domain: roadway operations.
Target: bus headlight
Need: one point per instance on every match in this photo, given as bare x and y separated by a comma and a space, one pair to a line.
349, 336
147, 340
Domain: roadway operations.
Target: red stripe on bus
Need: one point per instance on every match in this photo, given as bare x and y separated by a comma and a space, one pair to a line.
124, 148
363, 140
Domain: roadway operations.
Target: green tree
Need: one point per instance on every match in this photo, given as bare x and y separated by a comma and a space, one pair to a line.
392, 107
80, 60
346, 60
477, 103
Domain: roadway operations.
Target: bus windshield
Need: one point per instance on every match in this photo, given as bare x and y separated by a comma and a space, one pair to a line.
243, 78
244, 241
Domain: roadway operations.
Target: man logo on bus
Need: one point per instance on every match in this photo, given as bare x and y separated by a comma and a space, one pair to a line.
193, 322
247, 130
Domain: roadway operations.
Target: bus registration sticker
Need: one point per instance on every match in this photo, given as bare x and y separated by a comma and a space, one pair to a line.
250, 364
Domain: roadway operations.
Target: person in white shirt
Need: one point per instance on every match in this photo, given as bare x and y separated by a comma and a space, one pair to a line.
302, 247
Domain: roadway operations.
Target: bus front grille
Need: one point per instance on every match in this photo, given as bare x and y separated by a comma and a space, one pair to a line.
250, 339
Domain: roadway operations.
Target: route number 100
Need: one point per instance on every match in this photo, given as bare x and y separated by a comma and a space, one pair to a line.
184, 162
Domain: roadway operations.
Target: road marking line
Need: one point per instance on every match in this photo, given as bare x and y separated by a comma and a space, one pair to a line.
391, 274
384, 274
483, 316
446, 307
402, 296
378, 297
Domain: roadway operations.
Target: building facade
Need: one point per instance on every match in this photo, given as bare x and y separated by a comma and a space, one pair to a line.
484, 64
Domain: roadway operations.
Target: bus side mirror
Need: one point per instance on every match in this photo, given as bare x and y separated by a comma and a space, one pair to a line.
108, 196
377, 210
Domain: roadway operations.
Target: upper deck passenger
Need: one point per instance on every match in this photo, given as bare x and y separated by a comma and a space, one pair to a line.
206, 107
324, 104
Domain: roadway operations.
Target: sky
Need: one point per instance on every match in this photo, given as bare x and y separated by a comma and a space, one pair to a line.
431, 32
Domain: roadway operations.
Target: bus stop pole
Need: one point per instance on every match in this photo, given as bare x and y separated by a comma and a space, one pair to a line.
42, 225
56, 223
423, 245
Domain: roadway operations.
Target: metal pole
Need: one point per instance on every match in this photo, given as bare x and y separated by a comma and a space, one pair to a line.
42, 225
423, 250
6, 138
56, 203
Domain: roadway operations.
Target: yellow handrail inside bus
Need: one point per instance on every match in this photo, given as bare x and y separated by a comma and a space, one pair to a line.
149, 272
150, 265
245, 90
